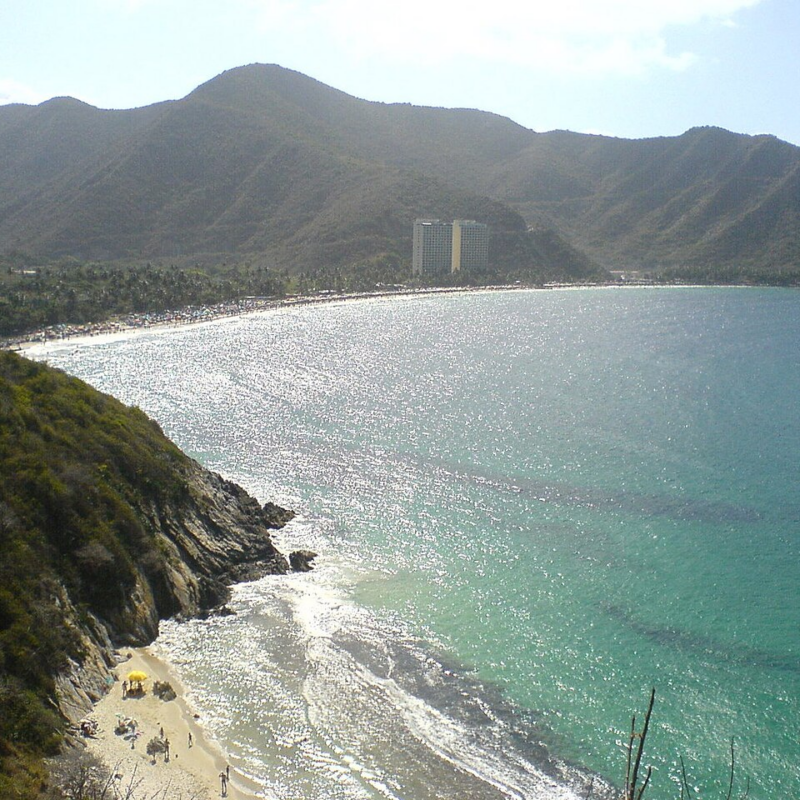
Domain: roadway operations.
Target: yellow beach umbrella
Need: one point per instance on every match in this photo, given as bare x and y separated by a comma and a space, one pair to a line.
137, 676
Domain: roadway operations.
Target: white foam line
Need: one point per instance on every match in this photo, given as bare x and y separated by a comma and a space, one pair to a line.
321, 610
449, 741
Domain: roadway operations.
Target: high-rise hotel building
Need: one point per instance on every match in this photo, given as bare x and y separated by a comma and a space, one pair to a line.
470, 246
442, 247
433, 247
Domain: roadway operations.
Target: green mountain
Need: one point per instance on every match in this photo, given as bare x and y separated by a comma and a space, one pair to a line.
706, 197
105, 528
263, 160
258, 160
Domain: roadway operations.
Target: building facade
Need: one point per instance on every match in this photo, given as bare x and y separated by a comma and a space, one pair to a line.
433, 247
470, 246
442, 247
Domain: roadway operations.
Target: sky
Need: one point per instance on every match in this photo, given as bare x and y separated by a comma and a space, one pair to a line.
626, 68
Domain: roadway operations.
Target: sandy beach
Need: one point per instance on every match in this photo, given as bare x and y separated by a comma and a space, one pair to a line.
192, 771
198, 315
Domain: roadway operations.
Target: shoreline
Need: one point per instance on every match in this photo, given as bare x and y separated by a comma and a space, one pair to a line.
197, 315
192, 771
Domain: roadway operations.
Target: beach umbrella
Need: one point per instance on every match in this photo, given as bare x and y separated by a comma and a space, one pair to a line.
137, 676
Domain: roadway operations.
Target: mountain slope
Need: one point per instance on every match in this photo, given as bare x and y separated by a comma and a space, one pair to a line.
243, 164
264, 160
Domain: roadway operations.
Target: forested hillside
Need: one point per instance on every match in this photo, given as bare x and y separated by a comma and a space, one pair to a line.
263, 161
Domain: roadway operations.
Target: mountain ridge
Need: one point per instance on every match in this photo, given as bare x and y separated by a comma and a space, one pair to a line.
264, 160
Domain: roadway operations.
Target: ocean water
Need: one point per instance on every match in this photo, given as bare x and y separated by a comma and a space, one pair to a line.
530, 507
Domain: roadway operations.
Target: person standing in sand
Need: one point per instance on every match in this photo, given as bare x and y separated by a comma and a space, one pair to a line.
223, 781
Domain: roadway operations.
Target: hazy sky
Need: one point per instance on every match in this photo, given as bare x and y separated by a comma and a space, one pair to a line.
630, 68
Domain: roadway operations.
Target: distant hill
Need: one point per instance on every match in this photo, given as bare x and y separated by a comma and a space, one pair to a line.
706, 197
263, 160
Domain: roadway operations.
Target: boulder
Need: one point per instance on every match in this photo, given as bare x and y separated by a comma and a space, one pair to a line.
300, 560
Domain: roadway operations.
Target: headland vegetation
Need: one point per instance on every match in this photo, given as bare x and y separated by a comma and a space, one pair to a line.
106, 527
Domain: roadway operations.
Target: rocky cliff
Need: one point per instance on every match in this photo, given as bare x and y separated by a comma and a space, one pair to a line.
215, 536
105, 528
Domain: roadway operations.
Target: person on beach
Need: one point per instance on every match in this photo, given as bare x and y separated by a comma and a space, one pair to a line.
223, 782
166, 749
191, 741
124, 689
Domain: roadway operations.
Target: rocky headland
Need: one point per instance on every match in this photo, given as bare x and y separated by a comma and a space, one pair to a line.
214, 536
106, 527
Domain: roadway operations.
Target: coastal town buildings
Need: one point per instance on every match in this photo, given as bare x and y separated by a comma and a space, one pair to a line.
442, 247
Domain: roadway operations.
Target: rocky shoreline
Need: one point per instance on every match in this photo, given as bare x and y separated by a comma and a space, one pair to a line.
217, 536
109, 529
220, 537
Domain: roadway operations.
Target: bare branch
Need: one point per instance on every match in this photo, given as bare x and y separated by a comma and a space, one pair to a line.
630, 758
640, 750
685, 782
644, 785
730, 787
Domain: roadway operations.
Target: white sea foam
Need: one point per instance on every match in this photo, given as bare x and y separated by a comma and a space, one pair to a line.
313, 701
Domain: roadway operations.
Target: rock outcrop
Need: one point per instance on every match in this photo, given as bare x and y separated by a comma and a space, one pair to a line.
300, 560
106, 527
216, 536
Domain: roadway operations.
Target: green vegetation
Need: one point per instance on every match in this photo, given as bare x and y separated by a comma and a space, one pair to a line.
77, 469
34, 295
733, 275
268, 170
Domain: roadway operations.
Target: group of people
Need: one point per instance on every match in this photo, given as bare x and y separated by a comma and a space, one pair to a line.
132, 689
128, 728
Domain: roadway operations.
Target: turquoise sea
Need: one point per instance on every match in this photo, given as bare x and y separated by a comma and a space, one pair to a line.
529, 508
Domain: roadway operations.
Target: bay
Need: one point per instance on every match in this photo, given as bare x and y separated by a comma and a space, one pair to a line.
530, 507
